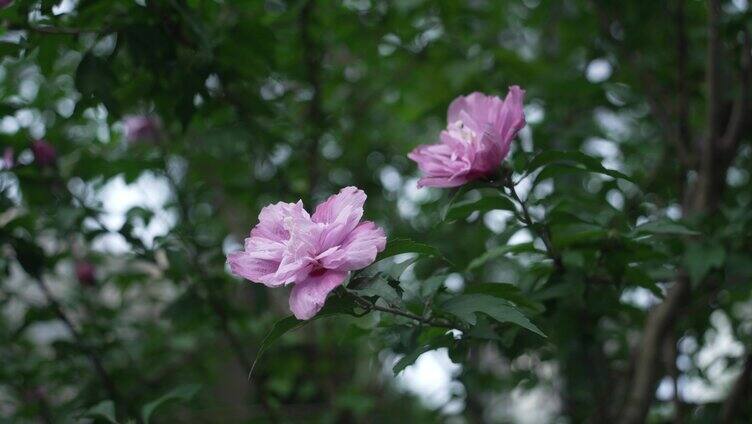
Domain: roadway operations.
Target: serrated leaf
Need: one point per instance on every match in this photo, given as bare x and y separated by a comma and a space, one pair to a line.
443, 340
576, 233
580, 160
466, 306
461, 210
505, 291
664, 226
410, 358
399, 246
379, 287
502, 250
182, 393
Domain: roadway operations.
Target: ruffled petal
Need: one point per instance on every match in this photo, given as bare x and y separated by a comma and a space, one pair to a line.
258, 270
339, 214
281, 247
274, 220
358, 250
510, 118
308, 296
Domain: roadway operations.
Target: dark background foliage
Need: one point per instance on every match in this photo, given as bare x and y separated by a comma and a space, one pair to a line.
644, 296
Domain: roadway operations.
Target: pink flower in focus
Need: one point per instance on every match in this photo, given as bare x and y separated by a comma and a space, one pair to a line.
313, 252
44, 153
477, 138
85, 273
141, 127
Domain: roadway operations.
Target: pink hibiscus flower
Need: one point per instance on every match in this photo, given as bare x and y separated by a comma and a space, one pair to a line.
313, 252
477, 138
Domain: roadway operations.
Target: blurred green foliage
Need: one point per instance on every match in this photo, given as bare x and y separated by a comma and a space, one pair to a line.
261, 101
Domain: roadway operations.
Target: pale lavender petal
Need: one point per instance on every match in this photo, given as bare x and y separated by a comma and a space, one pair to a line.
308, 296
510, 118
340, 215
258, 270
458, 105
281, 247
443, 182
358, 250
273, 219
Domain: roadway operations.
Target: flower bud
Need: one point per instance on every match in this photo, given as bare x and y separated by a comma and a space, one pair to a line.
8, 158
141, 127
44, 153
85, 273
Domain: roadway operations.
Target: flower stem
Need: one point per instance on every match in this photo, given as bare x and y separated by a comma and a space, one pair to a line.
542, 230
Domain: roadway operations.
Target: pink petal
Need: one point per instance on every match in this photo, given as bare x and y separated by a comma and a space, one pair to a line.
308, 296
458, 105
281, 247
262, 271
273, 218
358, 250
443, 182
340, 214
510, 118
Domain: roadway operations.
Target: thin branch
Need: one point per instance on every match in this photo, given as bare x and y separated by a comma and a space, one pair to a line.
659, 321
370, 306
544, 233
713, 76
740, 114
50, 30
94, 358
741, 391
211, 298
684, 135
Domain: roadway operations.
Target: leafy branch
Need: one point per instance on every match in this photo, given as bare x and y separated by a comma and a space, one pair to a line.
371, 306
540, 229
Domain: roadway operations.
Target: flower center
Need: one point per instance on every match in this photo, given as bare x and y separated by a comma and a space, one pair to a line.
458, 130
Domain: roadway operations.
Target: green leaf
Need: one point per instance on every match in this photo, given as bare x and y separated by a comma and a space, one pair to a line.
664, 226
580, 161
278, 330
466, 306
376, 286
443, 340
577, 233
505, 291
410, 358
461, 210
502, 250
701, 258
399, 246
29, 255
182, 393
104, 410
334, 305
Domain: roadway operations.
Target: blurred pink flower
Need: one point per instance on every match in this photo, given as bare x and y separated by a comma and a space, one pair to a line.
5, 3
44, 153
8, 158
477, 138
141, 127
85, 272
313, 252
